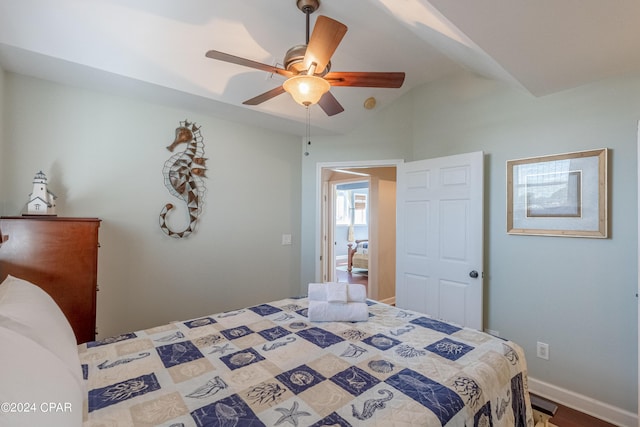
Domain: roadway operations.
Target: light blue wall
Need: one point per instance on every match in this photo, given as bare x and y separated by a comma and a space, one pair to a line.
104, 156
577, 295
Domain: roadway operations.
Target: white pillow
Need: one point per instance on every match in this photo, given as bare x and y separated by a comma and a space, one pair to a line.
29, 311
36, 388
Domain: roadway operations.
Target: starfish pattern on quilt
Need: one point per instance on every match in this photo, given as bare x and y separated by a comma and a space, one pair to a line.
291, 415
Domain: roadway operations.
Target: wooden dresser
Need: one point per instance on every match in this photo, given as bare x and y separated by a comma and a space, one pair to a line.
61, 256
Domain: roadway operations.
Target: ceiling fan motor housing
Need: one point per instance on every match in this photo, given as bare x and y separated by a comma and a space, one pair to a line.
293, 60
294, 57
308, 6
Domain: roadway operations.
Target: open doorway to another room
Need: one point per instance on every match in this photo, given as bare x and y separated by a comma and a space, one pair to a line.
358, 203
351, 237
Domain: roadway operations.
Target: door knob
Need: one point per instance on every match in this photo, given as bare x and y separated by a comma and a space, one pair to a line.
473, 274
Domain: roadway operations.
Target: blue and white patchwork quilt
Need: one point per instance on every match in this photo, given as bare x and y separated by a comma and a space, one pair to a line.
268, 365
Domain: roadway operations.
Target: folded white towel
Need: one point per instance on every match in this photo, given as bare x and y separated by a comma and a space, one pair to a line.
317, 292
337, 293
355, 292
322, 311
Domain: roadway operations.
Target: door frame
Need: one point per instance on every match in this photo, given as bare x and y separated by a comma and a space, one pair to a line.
321, 250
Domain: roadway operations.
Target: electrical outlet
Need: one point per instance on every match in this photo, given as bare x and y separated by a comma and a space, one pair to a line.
286, 239
542, 350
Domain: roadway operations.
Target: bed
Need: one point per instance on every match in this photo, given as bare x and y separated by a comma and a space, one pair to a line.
267, 365
358, 255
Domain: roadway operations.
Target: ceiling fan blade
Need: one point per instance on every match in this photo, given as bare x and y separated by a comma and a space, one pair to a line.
265, 96
365, 79
325, 38
221, 56
330, 104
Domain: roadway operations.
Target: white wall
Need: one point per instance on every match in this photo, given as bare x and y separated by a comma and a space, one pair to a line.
104, 155
577, 295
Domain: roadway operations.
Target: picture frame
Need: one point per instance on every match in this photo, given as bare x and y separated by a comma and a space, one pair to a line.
558, 195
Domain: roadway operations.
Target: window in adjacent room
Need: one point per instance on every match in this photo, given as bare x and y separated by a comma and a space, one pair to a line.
359, 209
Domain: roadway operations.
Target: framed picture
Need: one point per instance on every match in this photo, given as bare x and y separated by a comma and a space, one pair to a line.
558, 195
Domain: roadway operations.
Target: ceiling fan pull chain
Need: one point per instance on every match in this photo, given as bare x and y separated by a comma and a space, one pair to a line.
308, 130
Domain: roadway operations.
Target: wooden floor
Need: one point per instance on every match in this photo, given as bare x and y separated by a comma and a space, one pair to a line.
357, 275
567, 417
353, 277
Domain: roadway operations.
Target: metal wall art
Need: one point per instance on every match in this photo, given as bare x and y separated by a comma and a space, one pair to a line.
558, 195
183, 174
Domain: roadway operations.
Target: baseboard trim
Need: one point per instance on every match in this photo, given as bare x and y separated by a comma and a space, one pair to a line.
390, 301
595, 408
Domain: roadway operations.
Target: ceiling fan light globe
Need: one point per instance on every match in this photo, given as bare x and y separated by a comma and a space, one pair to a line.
306, 90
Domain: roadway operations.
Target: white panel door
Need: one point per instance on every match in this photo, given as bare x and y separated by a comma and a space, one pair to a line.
440, 238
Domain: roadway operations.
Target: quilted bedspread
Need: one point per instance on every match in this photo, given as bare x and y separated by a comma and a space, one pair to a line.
268, 365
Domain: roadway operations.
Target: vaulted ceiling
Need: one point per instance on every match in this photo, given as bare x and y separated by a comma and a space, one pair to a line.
155, 49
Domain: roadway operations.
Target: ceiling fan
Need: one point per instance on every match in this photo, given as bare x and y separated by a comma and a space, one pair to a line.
308, 67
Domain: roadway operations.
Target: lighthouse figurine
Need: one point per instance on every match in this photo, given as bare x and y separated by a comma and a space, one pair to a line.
41, 200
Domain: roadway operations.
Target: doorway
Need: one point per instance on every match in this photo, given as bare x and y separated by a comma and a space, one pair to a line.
381, 203
351, 229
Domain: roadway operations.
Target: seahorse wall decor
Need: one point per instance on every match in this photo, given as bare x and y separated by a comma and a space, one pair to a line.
183, 173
